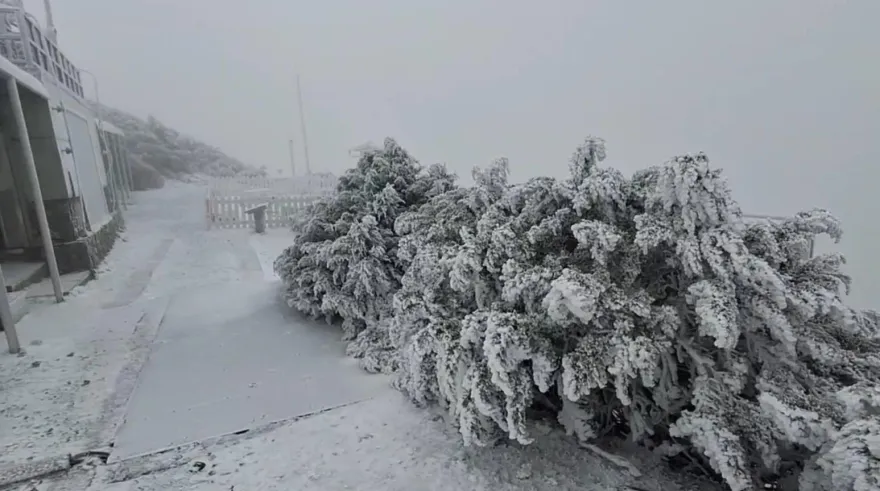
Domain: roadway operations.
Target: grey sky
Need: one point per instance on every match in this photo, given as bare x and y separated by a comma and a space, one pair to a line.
783, 94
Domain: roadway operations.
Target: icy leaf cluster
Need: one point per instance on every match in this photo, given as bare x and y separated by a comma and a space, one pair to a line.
641, 305
343, 264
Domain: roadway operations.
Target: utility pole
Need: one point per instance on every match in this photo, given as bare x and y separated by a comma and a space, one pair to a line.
302, 123
292, 160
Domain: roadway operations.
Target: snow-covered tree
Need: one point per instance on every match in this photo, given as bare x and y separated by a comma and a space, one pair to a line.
343, 264
438, 294
645, 301
643, 305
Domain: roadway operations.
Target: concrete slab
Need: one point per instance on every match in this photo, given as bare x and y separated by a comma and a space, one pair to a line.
68, 282
229, 358
21, 274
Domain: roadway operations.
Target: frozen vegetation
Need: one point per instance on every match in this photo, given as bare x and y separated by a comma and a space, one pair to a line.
641, 307
158, 151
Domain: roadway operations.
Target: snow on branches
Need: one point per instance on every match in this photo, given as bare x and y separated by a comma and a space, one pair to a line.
643, 303
343, 264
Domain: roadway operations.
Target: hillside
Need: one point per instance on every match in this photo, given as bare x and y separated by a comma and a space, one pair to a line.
159, 152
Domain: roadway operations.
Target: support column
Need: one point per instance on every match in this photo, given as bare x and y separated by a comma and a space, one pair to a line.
107, 158
117, 165
6, 318
120, 162
18, 110
128, 169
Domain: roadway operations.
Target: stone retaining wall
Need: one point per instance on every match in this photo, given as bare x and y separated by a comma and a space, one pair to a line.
88, 252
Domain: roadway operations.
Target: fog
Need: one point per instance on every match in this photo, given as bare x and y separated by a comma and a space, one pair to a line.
784, 95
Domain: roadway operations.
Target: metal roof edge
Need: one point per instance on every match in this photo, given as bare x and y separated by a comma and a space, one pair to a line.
24, 78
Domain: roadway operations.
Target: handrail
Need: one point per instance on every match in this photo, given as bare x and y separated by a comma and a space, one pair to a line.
31, 48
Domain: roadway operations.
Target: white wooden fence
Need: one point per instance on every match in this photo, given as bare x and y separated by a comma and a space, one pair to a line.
315, 184
229, 211
228, 199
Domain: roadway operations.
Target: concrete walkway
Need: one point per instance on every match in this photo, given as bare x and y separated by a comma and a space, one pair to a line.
179, 338
225, 360
66, 394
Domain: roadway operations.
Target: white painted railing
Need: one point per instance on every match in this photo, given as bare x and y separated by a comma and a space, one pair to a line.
316, 184
229, 211
228, 198
775, 219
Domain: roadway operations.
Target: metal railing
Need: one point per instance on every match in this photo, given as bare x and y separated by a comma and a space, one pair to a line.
23, 42
774, 218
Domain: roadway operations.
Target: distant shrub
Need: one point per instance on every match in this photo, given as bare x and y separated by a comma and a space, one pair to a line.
172, 154
143, 176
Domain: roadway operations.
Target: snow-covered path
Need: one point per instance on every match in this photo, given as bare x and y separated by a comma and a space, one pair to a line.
81, 356
226, 359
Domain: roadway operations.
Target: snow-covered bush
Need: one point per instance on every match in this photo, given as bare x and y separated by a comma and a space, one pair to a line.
343, 263
642, 305
434, 301
642, 301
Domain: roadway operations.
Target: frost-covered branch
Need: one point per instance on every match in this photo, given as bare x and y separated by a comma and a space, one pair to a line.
640, 306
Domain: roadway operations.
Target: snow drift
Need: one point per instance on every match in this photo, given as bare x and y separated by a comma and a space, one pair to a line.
642, 306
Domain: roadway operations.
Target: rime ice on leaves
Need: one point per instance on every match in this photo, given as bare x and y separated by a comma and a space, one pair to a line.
643, 303
344, 264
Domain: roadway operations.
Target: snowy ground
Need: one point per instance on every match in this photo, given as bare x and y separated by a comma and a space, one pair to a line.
123, 365
57, 397
384, 444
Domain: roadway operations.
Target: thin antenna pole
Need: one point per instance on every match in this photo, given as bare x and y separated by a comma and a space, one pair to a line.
50, 21
292, 160
302, 123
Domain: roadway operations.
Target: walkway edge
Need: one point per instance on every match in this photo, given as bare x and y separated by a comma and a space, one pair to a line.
143, 335
140, 346
168, 458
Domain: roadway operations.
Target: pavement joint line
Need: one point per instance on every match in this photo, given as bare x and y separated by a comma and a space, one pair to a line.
143, 336
154, 461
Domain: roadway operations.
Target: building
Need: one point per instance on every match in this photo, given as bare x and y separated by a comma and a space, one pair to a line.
82, 170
